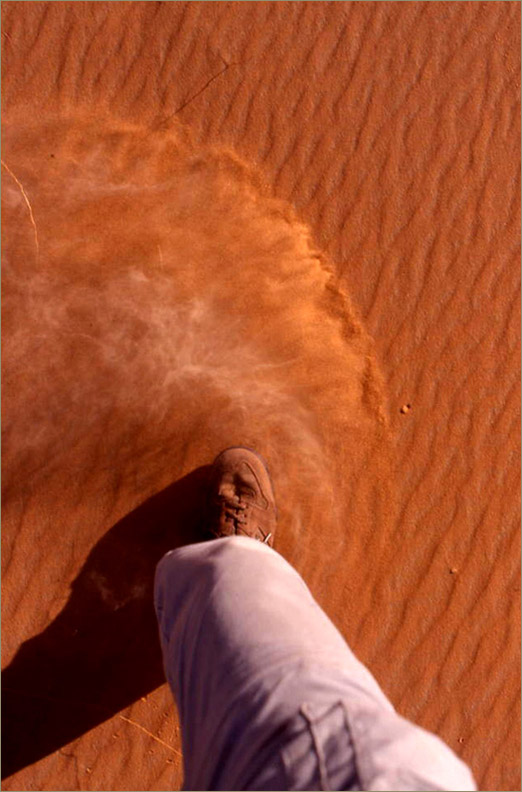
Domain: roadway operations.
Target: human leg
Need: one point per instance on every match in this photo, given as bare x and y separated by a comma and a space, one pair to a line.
269, 694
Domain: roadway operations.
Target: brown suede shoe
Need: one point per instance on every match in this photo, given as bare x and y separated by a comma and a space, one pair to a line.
241, 498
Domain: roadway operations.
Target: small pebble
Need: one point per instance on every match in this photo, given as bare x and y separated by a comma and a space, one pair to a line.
461, 739
405, 408
453, 570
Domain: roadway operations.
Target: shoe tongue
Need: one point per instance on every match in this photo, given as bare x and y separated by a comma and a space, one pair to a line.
227, 491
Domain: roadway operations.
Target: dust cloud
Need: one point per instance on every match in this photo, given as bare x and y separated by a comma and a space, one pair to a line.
162, 307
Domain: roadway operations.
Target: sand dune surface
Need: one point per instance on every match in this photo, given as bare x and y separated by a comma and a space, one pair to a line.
290, 225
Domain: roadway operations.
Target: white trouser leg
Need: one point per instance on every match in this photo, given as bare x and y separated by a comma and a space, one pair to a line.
269, 694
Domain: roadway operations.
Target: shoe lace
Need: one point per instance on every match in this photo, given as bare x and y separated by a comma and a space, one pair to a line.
235, 510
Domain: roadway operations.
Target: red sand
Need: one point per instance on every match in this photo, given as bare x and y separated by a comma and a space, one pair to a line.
158, 305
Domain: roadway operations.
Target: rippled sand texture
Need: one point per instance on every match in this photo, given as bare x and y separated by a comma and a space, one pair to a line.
158, 304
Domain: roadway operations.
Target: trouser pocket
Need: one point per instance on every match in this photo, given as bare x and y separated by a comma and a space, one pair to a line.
320, 755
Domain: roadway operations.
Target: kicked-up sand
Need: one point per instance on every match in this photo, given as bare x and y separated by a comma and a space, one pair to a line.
169, 310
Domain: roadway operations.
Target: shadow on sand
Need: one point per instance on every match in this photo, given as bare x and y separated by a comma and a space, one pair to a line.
102, 652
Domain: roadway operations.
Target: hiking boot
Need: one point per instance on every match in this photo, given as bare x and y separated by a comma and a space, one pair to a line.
241, 498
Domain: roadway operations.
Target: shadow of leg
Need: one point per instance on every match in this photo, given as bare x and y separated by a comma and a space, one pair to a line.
102, 652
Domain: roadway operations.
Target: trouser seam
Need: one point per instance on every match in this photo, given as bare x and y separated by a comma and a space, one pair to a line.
323, 771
